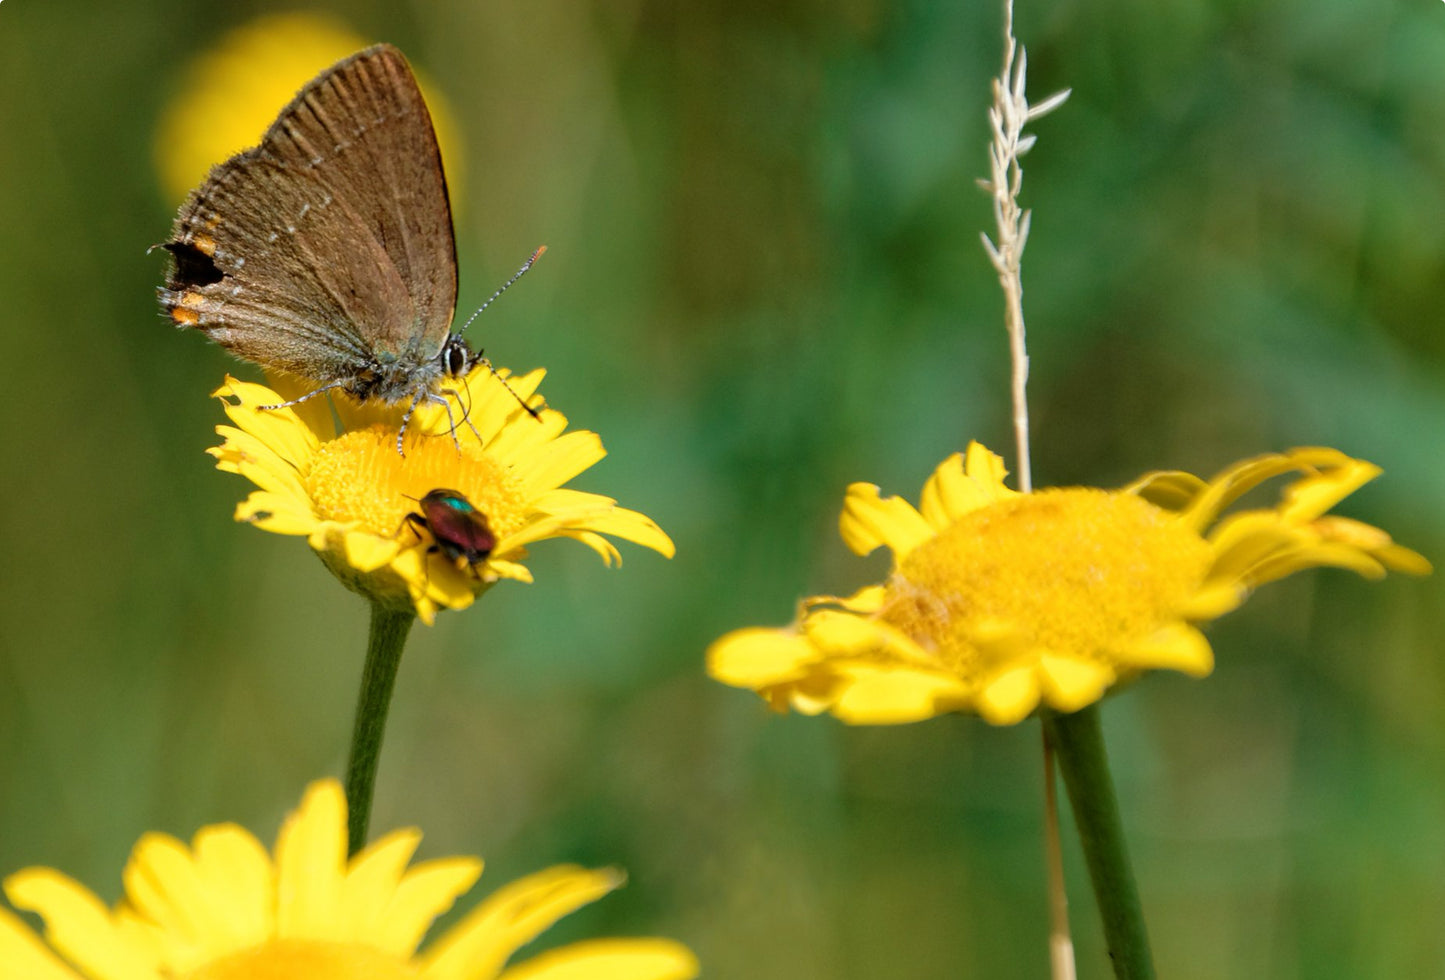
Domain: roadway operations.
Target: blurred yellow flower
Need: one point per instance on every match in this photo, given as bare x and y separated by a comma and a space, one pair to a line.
224, 910
349, 491
230, 94
1001, 601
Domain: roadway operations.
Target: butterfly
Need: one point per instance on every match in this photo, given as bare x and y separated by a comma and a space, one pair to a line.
327, 252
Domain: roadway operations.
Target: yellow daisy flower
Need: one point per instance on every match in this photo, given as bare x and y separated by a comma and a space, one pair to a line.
224, 910
348, 490
1001, 601
231, 93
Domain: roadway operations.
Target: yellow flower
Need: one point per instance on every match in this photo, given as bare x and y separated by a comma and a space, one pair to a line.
349, 491
231, 93
1001, 601
224, 910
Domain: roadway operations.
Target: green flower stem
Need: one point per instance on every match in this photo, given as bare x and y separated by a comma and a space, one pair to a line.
389, 627
1079, 742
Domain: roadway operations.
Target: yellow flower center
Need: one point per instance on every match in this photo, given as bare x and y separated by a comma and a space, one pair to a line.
1074, 571
305, 959
359, 476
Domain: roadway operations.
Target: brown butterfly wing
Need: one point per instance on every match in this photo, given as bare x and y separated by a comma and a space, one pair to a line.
328, 248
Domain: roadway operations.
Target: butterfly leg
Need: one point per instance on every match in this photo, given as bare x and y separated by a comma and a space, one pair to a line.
406, 420
431, 396
466, 414
304, 398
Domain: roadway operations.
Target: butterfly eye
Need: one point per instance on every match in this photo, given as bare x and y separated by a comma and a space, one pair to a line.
457, 357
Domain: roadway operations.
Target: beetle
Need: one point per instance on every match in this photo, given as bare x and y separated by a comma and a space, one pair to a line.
460, 531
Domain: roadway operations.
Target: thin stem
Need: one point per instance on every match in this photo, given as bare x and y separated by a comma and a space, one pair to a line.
1007, 116
389, 627
1019, 356
1061, 943
1079, 742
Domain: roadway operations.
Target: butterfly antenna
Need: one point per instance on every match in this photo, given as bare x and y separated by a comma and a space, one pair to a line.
515, 276
530, 410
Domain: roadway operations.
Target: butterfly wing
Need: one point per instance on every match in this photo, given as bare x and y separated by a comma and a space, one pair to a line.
328, 249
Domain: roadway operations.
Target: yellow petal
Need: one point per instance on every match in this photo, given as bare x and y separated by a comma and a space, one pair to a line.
426, 610
78, 926
325, 538
895, 696
1236, 480
516, 442
372, 877
1306, 499
1372, 541
239, 880
956, 488
427, 890
806, 699
865, 601
1402, 559
606, 549
248, 456
530, 533
25, 956
1177, 646
1242, 540
510, 569
366, 552
1169, 489
843, 633
1213, 600
1313, 554
868, 521
629, 525
513, 916
1009, 697
610, 959
162, 884
986, 469
310, 858
1071, 683
279, 428
556, 462
759, 657
275, 513
441, 583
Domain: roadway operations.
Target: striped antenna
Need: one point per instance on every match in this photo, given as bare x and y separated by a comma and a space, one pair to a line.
517, 275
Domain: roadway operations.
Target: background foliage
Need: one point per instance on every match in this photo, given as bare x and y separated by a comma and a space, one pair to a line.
764, 282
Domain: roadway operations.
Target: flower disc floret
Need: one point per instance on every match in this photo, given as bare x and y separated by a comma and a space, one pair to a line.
1080, 567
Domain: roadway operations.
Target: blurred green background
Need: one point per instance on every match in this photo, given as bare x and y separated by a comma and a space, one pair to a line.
764, 281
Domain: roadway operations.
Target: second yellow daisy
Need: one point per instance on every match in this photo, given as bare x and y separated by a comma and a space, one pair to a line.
1001, 601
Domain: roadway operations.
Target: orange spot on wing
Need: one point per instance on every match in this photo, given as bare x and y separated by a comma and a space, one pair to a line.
186, 309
